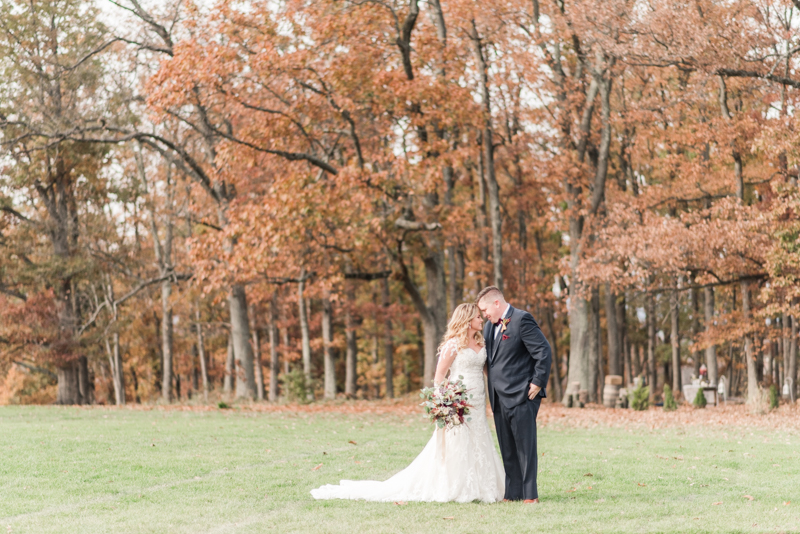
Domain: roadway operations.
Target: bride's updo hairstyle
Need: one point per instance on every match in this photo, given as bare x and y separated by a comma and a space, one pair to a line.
457, 335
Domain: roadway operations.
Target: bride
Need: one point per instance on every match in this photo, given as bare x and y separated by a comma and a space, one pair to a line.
458, 464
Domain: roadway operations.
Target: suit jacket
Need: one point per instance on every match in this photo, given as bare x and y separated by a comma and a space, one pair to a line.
518, 357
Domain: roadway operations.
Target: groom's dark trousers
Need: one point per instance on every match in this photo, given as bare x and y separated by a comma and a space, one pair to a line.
516, 434
518, 357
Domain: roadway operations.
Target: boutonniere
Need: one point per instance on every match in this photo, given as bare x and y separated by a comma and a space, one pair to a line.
504, 324
505, 337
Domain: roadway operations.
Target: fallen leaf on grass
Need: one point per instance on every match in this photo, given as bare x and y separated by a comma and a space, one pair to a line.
352, 442
449, 517
716, 503
641, 484
314, 469
401, 503
571, 490
589, 487
588, 475
787, 503
748, 497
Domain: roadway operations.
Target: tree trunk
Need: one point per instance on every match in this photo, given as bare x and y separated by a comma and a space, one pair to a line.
767, 364
351, 360
305, 339
259, 371
456, 281
636, 367
785, 345
117, 371
227, 385
776, 355
482, 219
375, 361
327, 349
753, 393
628, 350
285, 343
557, 392
595, 359
435, 329
614, 367
488, 162
166, 341
201, 354
579, 340
274, 363
791, 364
622, 326
711, 352
652, 379
388, 340
676, 344
242, 351
695, 329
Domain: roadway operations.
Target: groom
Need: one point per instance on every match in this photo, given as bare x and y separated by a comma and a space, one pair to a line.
518, 357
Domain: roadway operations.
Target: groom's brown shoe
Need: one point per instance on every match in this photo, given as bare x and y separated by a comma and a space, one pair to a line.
531, 501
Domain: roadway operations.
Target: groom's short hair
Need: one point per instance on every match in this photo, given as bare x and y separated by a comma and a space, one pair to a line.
490, 291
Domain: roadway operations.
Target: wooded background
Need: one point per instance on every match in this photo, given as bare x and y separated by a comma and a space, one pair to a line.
268, 199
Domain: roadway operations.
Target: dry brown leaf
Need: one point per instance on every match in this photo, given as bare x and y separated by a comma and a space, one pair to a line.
748, 497
314, 469
352, 442
588, 475
716, 503
787, 503
449, 517
641, 484
401, 503
571, 490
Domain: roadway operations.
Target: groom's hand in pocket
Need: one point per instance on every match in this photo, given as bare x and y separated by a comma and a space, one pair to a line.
533, 391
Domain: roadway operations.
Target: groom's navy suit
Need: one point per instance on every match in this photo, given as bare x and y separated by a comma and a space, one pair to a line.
517, 358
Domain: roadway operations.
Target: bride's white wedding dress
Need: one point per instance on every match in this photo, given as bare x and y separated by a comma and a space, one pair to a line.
460, 464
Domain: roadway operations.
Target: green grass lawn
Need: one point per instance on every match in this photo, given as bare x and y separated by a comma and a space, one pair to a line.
107, 470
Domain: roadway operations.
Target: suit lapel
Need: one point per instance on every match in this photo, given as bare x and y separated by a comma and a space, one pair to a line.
496, 340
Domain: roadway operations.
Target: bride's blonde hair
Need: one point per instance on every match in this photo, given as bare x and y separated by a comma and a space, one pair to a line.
457, 334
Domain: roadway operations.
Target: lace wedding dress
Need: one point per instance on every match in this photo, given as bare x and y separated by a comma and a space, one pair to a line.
460, 464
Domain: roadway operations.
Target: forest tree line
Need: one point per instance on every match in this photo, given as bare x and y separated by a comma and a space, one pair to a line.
270, 200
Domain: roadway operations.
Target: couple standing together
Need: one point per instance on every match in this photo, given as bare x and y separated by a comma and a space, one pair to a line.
461, 463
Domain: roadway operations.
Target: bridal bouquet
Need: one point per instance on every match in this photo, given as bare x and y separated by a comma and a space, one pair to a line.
447, 404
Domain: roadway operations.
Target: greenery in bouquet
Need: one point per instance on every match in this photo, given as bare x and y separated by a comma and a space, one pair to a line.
447, 404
